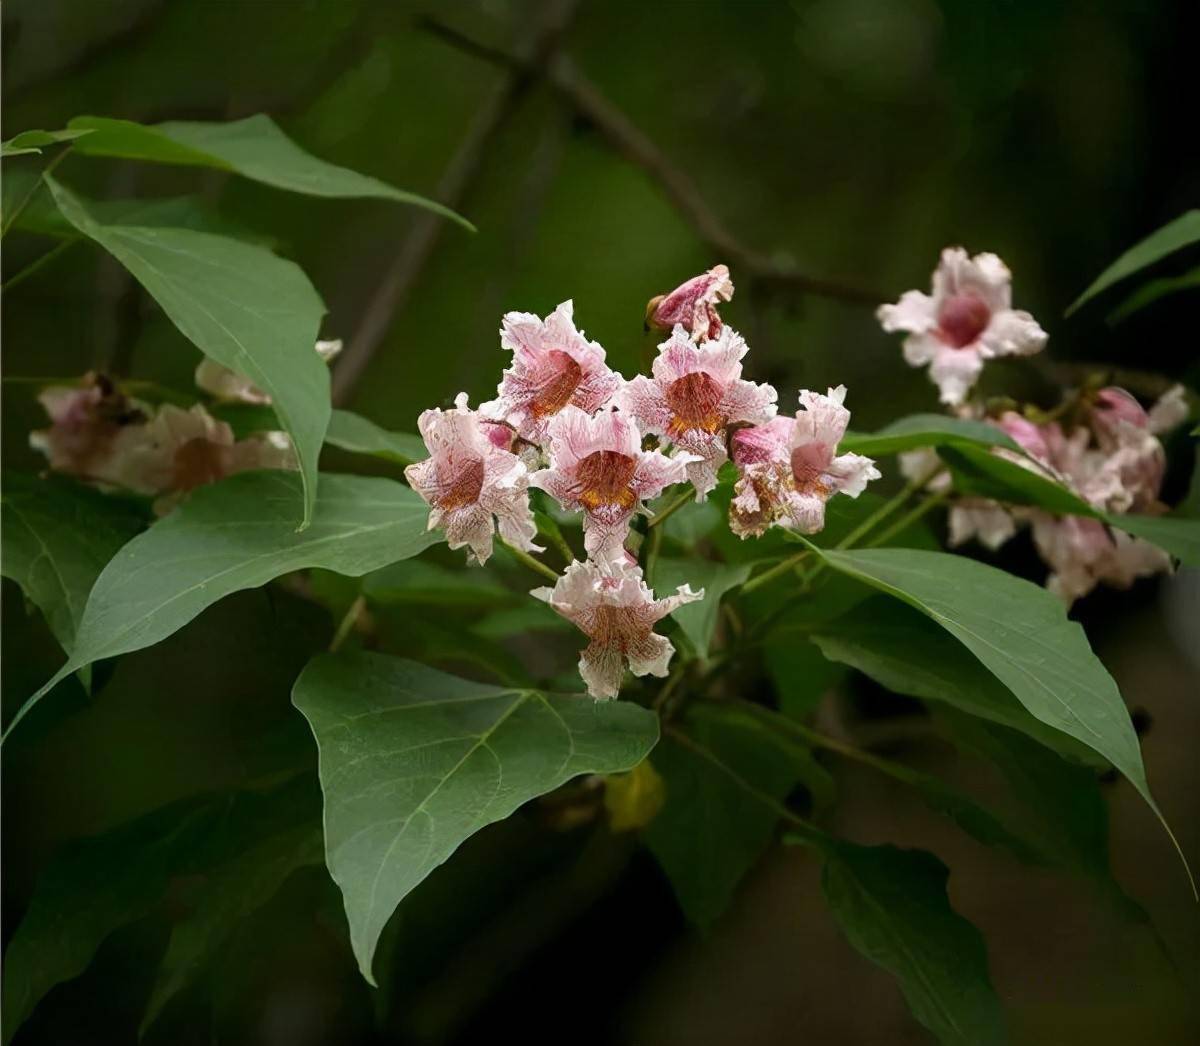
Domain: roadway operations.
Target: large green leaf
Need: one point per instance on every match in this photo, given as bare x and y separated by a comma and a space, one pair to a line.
57, 537
892, 906
239, 304
712, 828
414, 761
926, 430
254, 147
1021, 634
1182, 232
698, 620
237, 534
906, 652
353, 432
36, 141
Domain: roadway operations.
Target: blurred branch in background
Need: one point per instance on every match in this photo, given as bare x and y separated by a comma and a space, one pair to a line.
637, 147
460, 174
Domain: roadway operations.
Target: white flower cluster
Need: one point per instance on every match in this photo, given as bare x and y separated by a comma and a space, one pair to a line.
565, 423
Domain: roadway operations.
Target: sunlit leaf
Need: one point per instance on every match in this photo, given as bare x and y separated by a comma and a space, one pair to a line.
414, 761
254, 147
239, 304
892, 906
236, 534
1021, 634
1174, 236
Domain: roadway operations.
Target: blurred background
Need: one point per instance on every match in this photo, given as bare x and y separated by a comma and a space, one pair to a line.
826, 151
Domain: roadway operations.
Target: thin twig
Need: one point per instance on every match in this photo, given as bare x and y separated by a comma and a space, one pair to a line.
780, 568
526, 559
460, 174
907, 520
640, 149
15, 213
36, 264
671, 509
346, 625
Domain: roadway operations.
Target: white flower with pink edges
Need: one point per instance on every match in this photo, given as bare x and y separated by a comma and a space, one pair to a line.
693, 305
616, 610
471, 484
598, 467
554, 366
966, 320
696, 392
789, 468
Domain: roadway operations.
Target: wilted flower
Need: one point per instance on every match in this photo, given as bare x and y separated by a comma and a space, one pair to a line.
467, 480
229, 386
91, 429
693, 305
790, 467
967, 319
553, 366
696, 392
615, 609
597, 465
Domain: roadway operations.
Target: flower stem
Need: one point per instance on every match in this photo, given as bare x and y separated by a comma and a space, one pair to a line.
671, 509
535, 565
36, 264
890, 506
930, 503
346, 625
767, 576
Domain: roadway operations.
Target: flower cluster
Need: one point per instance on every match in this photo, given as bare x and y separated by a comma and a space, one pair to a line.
100, 435
1110, 455
567, 424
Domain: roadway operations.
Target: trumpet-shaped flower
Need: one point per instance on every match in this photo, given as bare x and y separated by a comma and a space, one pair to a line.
468, 479
597, 466
696, 392
229, 386
790, 467
554, 366
966, 320
616, 610
693, 305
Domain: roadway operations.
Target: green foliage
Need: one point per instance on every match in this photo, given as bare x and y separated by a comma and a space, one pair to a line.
927, 430
698, 620
1174, 236
359, 435
57, 537
414, 761
254, 147
36, 141
1152, 291
240, 305
1021, 634
1175, 535
236, 534
892, 906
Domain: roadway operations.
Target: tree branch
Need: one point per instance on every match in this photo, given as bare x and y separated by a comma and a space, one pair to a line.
639, 149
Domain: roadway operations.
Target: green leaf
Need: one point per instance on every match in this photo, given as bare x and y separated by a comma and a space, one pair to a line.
57, 537
240, 305
1182, 232
234, 535
254, 147
698, 620
229, 894
359, 435
413, 762
415, 582
36, 141
1176, 535
1021, 634
892, 906
1152, 291
93, 887
926, 430
906, 652
712, 829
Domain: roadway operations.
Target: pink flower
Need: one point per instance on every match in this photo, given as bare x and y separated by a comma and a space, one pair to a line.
229, 386
790, 467
90, 428
968, 319
1082, 553
696, 391
615, 609
597, 465
467, 480
693, 305
553, 366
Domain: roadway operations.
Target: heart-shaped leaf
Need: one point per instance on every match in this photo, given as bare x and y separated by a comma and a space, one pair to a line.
414, 761
239, 304
236, 534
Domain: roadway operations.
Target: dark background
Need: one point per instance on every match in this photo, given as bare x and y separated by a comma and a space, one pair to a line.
848, 140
